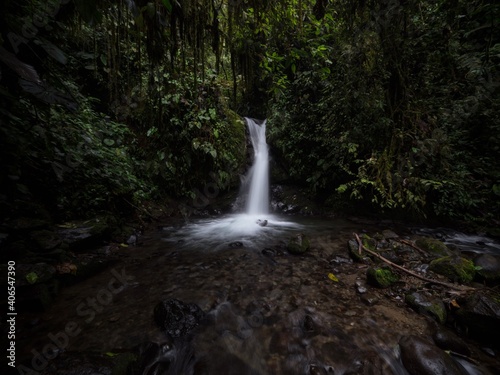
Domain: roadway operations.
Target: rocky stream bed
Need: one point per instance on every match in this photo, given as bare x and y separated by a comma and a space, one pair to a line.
302, 301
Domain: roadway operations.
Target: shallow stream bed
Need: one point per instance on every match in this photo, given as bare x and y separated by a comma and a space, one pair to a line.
268, 312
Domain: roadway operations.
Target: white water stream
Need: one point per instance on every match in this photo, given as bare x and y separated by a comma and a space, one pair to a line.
218, 232
258, 176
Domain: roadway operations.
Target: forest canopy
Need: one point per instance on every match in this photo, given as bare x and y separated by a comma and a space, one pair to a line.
110, 104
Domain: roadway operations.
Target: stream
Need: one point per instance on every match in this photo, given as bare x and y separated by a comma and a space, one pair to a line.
268, 312
264, 310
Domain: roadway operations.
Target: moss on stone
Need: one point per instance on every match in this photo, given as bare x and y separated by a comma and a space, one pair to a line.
298, 244
368, 242
454, 268
433, 246
381, 277
434, 308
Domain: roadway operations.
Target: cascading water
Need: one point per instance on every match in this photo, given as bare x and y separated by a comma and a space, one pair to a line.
258, 176
253, 228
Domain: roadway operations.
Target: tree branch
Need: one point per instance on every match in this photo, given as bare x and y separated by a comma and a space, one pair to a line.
448, 285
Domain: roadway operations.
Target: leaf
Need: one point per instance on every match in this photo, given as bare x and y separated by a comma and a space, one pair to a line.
25, 71
123, 245
53, 51
32, 277
167, 4
108, 142
332, 277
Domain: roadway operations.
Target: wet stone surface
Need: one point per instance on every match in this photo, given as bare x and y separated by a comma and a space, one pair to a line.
261, 311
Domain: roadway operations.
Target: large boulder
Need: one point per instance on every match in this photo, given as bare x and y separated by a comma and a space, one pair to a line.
421, 357
488, 268
455, 268
433, 246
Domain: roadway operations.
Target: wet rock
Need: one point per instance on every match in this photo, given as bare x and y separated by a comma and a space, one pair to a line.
298, 244
353, 247
82, 235
420, 357
447, 340
389, 234
433, 246
381, 277
262, 223
454, 268
479, 313
488, 268
177, 318
360, 287
423, 305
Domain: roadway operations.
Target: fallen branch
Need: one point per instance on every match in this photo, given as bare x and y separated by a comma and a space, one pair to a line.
412, 245
448, 285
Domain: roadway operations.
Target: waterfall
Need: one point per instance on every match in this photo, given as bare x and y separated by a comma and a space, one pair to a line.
258, 175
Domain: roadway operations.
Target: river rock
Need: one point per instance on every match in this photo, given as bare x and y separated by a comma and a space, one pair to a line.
389, 234
488, 268
434, 308
262, 223
421, 357
448, 340
381, 277
177, 318
353, 248
454, 268
433, 246
298, 244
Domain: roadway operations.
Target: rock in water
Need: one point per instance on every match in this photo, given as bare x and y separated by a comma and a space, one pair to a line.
177, 318
262, 223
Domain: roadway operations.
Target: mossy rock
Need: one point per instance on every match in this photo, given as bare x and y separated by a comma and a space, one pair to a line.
435, 308
433, 246
353, 247
298, 244
381, 277
368, 242
454, 268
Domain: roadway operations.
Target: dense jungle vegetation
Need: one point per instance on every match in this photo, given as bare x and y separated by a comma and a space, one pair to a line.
108, 105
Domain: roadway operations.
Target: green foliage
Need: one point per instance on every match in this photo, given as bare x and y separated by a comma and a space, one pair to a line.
395, 106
